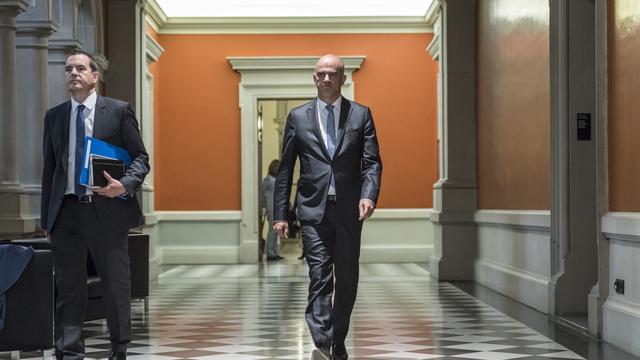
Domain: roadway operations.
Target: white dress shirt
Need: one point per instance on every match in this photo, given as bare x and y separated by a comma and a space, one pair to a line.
322, 119
89, 114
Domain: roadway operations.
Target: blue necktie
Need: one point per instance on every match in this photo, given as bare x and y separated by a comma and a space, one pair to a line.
331, 130
78, 189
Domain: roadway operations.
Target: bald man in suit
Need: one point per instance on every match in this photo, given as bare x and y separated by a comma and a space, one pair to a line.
340, 174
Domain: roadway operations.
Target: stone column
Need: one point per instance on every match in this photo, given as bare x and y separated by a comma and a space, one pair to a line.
11, 218
575, 162
34, 28
455, 193
60, 43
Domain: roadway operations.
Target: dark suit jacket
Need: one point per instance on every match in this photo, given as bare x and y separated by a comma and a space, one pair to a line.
115, 123
356, 164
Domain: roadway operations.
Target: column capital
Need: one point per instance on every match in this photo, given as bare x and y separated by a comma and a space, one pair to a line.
20, 5
38, 20
10, 9
37, 28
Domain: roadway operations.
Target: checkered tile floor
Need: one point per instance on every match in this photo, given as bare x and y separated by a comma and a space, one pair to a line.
247, 312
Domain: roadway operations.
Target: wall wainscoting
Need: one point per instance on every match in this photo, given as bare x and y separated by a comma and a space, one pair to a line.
621, 313
199, 237
213, 237
514, 254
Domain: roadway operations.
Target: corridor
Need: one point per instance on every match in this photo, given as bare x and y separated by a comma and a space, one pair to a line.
247, 312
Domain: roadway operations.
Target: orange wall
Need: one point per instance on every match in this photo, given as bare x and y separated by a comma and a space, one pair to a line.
198, 134
624, 107
513, 104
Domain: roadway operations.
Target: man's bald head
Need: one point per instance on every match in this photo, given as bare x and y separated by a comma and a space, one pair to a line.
331, 61
329, 77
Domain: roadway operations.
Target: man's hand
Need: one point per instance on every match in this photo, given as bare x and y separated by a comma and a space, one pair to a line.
281, 228
366, 209
114, 187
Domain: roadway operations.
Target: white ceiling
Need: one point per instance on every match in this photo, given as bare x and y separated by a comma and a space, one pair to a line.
293, 8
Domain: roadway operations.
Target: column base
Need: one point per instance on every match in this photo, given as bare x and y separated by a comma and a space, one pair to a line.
455, 251
20, 214
248, 252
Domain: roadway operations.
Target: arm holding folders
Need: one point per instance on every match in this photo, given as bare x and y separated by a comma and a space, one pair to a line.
98, 150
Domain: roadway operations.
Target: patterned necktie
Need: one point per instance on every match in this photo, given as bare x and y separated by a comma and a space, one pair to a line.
331, 131
79, 190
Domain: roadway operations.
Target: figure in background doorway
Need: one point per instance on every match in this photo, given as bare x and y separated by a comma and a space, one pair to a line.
267, 190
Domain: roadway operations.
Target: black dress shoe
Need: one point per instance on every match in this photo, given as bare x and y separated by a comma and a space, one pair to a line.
118, 355
339, 352
321, 353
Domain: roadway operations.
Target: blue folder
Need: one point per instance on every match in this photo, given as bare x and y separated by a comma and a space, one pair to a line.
95, 147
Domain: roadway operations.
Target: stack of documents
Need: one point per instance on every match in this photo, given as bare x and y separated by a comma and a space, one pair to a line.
101, 156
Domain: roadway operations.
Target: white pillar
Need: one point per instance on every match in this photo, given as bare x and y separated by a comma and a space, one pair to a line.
11, 219
153, 51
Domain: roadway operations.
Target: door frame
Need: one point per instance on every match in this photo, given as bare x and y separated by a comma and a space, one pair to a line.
269, 78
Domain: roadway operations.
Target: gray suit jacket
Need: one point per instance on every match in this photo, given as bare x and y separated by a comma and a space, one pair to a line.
356, 164
115, 123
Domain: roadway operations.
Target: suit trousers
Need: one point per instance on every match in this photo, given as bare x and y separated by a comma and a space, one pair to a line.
77, 230
332, 250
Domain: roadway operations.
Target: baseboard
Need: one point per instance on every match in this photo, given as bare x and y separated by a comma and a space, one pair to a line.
524, 220
621, 324
525, 287
397, 235
209, 237
199, 254
395, 254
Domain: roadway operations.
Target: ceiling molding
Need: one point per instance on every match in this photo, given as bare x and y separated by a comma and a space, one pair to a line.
433, 12
286, 25
156, 17
238, 63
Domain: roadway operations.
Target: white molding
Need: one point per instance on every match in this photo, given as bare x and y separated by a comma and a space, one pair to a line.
291, 25
240, 63
526, 287
156, 17
526, 220
204, 237
154, 50
199, 254
621, 324
401, 214
381, 243
395, 253
623, 226
199, 216
433, 13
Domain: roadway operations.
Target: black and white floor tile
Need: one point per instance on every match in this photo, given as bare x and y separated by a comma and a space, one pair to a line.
250, 312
